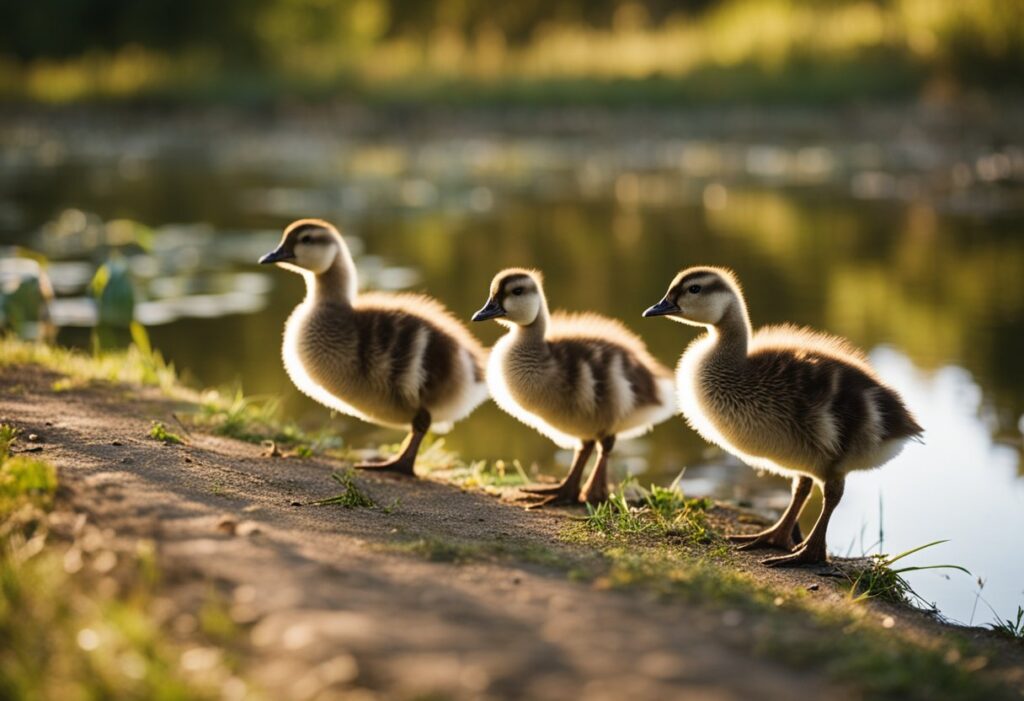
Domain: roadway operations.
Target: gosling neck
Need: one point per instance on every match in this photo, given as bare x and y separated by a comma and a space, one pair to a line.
732, 334
532, 334
337, 285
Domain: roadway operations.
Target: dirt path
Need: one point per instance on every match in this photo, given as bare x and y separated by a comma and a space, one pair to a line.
331, 602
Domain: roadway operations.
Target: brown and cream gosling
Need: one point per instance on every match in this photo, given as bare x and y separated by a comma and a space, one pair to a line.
397, 360
580, 379
785, 399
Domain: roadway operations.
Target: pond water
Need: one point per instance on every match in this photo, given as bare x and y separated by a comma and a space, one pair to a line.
903, 233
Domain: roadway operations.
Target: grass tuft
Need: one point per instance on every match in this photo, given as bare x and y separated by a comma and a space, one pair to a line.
879, 580
352, 496
661, 511
1010, 627
159, 432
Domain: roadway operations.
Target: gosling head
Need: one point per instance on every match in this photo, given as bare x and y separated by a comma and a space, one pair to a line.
517, 297
700, 297
307, 245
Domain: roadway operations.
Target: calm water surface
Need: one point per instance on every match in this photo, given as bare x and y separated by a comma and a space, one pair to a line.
907, 240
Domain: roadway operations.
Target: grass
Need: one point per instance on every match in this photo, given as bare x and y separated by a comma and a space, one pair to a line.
352, 495
1010, 627
843, 637
8, 434
257, 420
231, 414
479, 474
139, 364
880, 580
158, 431
77, 622
661, 512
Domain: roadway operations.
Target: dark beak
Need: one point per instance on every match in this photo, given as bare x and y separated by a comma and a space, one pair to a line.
491, 310
662, 308
276, 256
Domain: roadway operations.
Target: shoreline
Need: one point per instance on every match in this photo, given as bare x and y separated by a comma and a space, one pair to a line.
221, 510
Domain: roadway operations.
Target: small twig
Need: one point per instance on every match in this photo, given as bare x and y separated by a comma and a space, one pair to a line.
182, 426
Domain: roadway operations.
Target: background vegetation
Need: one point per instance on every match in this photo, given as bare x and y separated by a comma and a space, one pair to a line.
552, 50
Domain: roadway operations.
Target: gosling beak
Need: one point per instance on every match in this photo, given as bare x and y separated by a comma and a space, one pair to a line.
491, 310
277, 255
662, 308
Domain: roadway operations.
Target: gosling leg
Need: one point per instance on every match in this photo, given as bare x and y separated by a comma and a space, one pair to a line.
568, 490
814, 551
780, 535
405, 461
596, 489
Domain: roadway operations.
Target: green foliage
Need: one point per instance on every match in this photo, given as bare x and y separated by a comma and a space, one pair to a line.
352, 496
26, 480
8, 434
24, 304
158, 431
62, 634
880, 580
561, 51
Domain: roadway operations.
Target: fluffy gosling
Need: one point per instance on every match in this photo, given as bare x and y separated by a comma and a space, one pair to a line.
785, 399
398, 360
580, 379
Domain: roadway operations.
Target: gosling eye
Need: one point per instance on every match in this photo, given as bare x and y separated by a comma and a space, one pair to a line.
694, 289
306, 238
518, 291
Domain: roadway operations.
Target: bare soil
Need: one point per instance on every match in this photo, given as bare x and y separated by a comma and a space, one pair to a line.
332, 602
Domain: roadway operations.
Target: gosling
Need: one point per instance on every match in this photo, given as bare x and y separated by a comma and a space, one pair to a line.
579, 379
787, 400
397, 360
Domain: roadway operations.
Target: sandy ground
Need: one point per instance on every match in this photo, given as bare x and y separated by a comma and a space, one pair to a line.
330, 605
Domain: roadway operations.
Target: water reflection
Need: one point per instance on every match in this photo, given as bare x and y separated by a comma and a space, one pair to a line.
906, 248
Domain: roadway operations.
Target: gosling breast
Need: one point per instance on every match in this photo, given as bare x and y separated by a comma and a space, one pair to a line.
590, 378
385, 357
803, 402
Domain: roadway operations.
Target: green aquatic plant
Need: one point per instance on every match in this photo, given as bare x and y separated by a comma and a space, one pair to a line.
114, 292
880, 580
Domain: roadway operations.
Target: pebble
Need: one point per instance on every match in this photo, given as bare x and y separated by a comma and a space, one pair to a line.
813, 587
33, 437
248, 528
227, 524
